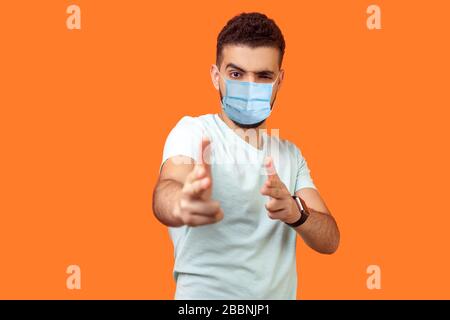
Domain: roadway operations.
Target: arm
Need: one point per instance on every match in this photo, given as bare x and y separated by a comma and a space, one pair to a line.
320, 231
168, 189
182, 195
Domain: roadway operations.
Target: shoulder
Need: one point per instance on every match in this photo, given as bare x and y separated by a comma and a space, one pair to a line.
194, 122
187, 122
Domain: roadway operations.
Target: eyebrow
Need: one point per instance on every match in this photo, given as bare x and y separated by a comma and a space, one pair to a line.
232, 65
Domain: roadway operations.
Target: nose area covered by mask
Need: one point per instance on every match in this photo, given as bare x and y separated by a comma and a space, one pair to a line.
247, 102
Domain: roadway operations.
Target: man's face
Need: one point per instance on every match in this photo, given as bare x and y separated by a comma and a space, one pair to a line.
243, 63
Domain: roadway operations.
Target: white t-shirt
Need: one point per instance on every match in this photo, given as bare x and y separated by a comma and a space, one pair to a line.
247, 255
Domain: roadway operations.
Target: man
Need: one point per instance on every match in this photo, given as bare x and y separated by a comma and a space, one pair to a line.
234, 225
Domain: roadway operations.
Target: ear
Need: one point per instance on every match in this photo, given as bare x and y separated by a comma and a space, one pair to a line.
280, 79
215, 76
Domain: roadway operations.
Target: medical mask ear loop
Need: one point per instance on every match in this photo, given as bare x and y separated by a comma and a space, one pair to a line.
224, 84
273, 84
276, 79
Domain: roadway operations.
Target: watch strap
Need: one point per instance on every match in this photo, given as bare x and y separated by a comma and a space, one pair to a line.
303, 211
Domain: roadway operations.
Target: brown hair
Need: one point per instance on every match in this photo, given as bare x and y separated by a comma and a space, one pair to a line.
251, 29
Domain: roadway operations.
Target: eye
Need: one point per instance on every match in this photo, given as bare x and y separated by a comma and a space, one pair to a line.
265, 77
235, 74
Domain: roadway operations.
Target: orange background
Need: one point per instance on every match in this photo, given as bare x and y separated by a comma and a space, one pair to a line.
84, 116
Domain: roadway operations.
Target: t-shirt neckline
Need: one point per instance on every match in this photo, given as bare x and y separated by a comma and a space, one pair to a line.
240, 140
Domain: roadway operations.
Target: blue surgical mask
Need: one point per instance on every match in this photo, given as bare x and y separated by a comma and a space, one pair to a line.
247, 102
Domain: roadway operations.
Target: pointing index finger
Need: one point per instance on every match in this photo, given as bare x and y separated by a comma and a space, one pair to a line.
205, 152
271, 171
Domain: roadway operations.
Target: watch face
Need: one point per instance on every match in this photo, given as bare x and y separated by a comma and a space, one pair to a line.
300, 204
304, 206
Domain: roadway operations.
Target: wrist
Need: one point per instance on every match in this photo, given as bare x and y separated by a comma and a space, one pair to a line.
294, 213
302, 210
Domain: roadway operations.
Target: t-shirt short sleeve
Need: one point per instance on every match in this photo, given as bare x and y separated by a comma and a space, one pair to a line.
184, 139
304, 179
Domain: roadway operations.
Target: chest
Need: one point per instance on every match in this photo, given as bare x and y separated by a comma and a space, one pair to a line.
239, 174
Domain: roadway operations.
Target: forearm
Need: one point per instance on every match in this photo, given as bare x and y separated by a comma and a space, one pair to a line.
165, 198
320, 232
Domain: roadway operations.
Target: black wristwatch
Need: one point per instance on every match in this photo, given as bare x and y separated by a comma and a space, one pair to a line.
303, 211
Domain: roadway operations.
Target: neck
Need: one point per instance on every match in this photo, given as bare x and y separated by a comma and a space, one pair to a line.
248, 135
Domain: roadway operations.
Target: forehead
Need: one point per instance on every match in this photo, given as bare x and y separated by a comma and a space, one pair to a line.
251, 59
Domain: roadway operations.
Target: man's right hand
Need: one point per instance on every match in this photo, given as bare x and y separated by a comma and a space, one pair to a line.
195, 206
